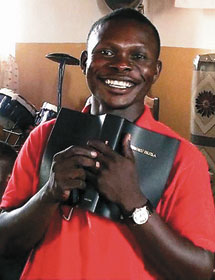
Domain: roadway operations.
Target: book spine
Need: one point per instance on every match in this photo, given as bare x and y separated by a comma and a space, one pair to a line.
111, 131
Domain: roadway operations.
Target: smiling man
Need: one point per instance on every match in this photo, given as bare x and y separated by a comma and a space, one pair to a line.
174, 241
119, 71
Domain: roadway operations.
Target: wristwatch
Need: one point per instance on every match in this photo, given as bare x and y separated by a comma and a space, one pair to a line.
141, 215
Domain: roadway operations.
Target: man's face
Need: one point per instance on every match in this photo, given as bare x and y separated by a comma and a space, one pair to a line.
121, 63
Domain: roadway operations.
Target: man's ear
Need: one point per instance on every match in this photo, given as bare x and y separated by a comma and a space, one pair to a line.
83, 61
158, 71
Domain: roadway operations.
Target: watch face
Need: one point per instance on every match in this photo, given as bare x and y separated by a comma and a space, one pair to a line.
141, 215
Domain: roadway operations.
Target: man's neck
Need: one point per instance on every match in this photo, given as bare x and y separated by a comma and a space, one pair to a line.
131, 113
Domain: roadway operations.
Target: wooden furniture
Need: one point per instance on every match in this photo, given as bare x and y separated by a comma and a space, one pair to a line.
153, 103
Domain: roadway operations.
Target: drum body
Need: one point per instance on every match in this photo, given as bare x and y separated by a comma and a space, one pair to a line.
15, 112
47, 112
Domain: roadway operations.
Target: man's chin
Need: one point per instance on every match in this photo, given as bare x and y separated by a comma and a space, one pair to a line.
118, 106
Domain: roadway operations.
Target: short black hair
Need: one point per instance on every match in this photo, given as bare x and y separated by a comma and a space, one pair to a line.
127, 13
7, 152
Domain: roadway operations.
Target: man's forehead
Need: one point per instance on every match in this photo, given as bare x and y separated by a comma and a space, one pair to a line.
112, 25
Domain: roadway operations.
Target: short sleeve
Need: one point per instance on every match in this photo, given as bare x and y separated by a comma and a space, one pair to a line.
187, 204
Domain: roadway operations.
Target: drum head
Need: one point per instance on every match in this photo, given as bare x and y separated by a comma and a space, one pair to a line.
46, 113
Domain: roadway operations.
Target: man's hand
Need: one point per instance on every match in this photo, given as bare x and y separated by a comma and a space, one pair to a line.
117, 177
69, 171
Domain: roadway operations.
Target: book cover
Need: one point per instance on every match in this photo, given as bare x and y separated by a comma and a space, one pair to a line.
154, 154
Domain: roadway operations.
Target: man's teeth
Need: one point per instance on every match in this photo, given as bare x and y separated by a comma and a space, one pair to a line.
118, 84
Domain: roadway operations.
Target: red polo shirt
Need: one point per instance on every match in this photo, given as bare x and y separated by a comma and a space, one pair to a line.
95, 248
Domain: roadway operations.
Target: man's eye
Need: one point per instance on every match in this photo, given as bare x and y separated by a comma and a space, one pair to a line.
107, 52
139, 56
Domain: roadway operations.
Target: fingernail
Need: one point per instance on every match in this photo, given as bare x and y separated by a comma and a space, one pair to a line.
106, 142
66, 194
98, 164
93, 154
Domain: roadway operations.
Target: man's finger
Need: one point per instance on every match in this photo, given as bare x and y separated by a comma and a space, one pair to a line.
101, 147
126, 144
75, 150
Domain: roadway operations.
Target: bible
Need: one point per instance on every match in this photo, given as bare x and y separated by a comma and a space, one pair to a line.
154, 155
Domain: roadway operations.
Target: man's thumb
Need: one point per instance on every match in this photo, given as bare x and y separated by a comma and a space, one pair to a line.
126, 143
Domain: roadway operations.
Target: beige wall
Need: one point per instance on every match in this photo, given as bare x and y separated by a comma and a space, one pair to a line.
62, 26
39, 76
174, 87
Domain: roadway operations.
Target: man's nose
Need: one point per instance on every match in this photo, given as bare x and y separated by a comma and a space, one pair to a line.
121, 64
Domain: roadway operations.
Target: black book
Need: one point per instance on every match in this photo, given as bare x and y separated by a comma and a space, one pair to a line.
154, 155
